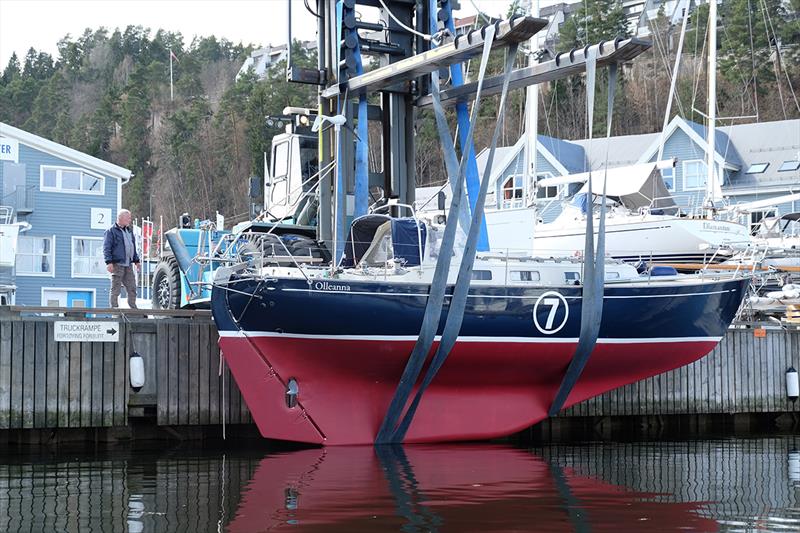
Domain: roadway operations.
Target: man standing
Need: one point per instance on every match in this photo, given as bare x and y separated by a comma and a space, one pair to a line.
119, 249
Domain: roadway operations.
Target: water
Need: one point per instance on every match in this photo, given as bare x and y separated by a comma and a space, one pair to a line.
732, 485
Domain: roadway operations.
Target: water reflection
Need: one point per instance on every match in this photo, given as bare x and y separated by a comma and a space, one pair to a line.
454, 488
736, 485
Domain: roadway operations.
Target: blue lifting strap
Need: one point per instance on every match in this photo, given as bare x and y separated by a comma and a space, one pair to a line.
465, 141
433, 308
594, 263
458, 304
361, 189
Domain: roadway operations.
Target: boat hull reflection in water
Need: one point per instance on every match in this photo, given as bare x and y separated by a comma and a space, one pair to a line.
457, 488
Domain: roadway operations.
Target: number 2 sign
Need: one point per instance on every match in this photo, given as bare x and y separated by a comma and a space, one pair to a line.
554, 305
101, 218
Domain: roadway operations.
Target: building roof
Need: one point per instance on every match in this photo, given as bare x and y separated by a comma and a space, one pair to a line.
623, 150
722, 141
767, 142
64, 152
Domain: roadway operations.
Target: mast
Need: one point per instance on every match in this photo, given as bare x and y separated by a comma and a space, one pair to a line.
531, 120
711, 179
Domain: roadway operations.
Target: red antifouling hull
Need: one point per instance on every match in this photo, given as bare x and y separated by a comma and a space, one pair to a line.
487, 389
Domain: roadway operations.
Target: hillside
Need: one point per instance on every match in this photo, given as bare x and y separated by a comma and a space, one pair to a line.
108, 94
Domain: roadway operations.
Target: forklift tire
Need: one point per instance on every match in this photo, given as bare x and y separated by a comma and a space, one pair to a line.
167, 285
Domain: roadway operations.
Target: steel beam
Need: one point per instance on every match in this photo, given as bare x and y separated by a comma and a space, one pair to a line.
461, 49
563, 65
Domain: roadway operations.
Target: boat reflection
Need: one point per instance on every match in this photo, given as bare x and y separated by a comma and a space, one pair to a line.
443, 488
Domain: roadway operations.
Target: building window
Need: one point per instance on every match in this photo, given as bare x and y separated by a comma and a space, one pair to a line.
757, 168
545, 193
36, 256
87, 258
72, 180
668, 175
524, 275
789, 166
481, 275
512, 193
694, 174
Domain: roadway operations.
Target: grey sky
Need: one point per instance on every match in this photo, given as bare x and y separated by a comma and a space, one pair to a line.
42, 23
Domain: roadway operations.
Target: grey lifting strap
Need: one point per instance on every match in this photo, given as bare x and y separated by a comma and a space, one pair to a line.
594, 263
433, 308
448, 147
458, 304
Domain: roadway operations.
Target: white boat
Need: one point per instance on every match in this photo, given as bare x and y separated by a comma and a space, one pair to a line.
642, 221
9, 233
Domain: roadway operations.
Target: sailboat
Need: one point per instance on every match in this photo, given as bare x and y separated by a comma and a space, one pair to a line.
643, 223
321, 352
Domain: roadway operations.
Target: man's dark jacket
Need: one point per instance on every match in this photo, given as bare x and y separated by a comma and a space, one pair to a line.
114, 245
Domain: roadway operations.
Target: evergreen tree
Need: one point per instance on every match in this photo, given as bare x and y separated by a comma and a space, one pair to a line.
593, 22
11, 71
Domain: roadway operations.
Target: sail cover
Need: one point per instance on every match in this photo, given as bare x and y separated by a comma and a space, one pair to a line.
633, 186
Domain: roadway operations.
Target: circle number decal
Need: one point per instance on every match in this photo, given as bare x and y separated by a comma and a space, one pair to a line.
553, 306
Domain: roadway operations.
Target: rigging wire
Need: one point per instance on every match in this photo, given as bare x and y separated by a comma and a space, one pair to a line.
702, 53
400, 23
308, 8
769, 44
752, 56
780, 58
480, 13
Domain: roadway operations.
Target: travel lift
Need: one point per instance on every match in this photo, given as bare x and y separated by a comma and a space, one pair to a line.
419, 38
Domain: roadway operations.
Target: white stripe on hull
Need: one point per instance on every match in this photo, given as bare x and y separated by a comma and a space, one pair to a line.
406, 338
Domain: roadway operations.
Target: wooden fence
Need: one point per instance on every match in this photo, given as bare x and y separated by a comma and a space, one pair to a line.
744, 374
49, 384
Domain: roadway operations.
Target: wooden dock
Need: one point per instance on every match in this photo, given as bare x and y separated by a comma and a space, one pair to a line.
746, 373
47, 384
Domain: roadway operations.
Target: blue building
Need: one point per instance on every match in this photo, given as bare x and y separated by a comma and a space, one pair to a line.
757, 161
69, 199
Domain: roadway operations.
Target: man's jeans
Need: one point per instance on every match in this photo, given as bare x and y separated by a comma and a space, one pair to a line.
123, 277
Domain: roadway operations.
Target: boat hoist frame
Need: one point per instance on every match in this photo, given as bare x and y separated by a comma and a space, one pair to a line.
402, 83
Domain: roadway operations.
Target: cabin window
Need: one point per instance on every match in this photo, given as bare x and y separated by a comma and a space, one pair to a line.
524, 275
35, 256
512, 193
481, 275
87, 258
756, 217
612, 275
694, 174
757, 168
668, 175
789, 166
72, 180
572, 277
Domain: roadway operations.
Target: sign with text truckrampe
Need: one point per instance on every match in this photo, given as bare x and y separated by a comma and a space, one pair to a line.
77, 331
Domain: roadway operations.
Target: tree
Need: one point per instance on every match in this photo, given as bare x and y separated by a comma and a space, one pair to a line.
593, 22
11, 71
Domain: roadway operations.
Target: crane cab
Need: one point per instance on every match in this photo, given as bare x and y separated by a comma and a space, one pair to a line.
293, 173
